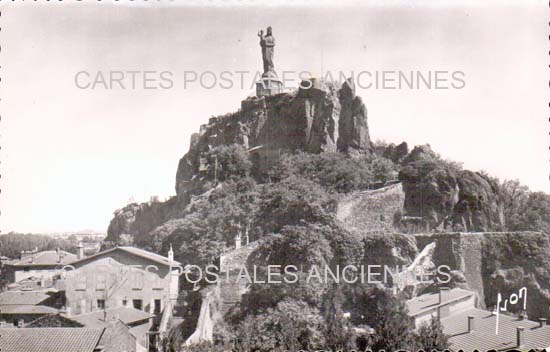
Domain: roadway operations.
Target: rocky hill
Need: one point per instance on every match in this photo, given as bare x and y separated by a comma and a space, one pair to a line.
323, 118
459, 214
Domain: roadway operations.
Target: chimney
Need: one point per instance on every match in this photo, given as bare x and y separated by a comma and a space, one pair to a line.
471, 325
519, 336
238, 240
80, 253
440, 294
170, 254
542, 322
26, 254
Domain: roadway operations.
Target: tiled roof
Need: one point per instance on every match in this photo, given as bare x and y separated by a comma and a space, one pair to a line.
428, 302
483, 337
23, 297
126, 314
49, 339
150, 255
26, 309
53, 321
53, 258
140, 333
114, 339
135, 251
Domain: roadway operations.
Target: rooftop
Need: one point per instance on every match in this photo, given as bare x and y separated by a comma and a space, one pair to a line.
483, 337
97, 319
26, 309
49, 339
430, 301
135, 251
52, 258
23, 297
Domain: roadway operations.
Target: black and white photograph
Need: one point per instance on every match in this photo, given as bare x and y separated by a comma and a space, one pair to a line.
274, 176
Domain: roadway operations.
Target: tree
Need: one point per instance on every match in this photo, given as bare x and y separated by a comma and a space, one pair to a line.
227, 161
290, 326
338, 330
291, 202
535, 215
430, 337
524, 210
12, 244
383, 169
209, 225
514, 197
393, 327
261, 297
335, 172
302, 245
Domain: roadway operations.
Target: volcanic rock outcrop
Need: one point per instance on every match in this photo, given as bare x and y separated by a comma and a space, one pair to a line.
140, 219
317, 119
324, 117
439, 197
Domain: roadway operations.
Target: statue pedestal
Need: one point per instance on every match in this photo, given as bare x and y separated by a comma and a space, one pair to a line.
268, 86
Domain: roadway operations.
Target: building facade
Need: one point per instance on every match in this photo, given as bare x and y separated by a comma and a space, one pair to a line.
44, 265
122, 277
440, 305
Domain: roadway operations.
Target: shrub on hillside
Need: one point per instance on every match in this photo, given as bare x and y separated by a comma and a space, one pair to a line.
228, 161
335, 172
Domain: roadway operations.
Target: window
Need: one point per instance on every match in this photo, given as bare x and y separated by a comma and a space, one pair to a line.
101, 303
138, 304
137, 280
81, 282
101, 282
157, 306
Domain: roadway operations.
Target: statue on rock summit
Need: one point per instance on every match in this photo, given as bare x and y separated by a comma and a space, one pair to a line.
269, 84
267, 42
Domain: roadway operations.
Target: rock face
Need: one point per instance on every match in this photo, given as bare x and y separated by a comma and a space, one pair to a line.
431, 192
140, 219
438, 197
321, 118
486, 263
353, 128
479, 207
396, 153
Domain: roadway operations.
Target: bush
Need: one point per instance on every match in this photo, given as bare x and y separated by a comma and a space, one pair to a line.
335, 172
228, 161
430, 337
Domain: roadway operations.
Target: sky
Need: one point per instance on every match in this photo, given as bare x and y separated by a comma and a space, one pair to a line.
71, 156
